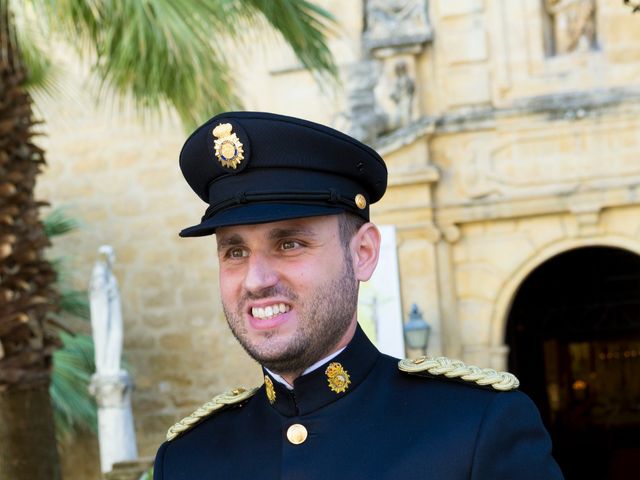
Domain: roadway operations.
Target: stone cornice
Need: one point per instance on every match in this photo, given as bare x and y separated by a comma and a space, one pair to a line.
404, 136
578, 203
561, 106
423, 175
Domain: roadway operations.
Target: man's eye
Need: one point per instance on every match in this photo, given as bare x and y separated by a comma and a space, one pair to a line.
237, 253
289, 245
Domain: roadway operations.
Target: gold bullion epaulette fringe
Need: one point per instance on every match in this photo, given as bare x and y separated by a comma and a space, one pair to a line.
456, 369
216, 404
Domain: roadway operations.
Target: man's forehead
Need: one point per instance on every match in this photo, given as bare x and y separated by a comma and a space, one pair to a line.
305, 225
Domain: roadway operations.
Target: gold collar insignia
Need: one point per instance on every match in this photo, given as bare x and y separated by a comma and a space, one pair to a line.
229, 149
337, 377
271, 392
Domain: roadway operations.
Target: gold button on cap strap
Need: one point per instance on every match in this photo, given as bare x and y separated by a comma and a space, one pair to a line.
450, 368
297, 434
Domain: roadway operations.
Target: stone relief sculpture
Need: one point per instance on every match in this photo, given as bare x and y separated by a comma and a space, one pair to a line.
539, 164
364, 118
382, 90
573, 25
396, 22
402, 95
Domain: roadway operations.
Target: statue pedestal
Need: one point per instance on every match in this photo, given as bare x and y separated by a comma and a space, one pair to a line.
115, 420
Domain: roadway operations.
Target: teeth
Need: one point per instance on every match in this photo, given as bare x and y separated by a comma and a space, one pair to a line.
270, 311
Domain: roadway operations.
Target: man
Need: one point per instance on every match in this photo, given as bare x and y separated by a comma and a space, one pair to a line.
289, 205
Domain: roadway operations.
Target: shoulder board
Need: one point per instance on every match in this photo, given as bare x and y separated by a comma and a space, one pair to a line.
456, 369
216, 404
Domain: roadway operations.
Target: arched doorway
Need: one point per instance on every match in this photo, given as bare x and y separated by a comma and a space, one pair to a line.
574, 337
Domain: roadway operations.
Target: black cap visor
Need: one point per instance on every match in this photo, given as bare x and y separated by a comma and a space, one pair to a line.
259, 213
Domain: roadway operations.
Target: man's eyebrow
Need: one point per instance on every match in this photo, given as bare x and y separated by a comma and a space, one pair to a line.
278, 233
228, 241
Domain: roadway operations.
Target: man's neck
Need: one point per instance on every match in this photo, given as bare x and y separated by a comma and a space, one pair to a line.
289, 377
289, 384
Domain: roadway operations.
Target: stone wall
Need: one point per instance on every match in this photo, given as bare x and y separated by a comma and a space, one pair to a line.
511, 156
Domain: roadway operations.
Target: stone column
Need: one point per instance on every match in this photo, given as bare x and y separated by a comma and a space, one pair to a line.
115, 419
447, 288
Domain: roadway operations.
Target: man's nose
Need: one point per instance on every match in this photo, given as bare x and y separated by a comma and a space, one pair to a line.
261, 273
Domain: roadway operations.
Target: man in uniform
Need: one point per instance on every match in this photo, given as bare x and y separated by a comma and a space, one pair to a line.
289, 205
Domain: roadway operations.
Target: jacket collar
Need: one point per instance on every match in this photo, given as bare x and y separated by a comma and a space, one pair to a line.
331, 381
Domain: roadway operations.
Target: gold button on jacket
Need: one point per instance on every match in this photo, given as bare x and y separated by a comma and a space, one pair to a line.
296, 434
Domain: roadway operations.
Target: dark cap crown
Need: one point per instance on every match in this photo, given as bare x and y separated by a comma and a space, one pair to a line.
253, 167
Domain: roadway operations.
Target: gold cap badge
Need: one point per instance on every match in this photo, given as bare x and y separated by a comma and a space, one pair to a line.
361, 202
271, 392
337, 377
228, 146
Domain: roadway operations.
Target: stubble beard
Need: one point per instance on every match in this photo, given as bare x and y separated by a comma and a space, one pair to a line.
322, 322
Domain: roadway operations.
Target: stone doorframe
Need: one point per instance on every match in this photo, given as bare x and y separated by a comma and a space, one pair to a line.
498, 350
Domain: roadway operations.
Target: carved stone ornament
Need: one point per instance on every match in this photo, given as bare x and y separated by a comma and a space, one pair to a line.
112, 391
364, 118
573, 25
396, 23
397, 92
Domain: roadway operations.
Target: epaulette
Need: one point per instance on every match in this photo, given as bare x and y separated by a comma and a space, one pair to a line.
456, 369
216, 404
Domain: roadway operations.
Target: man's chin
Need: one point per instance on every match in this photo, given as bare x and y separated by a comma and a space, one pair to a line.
279, 360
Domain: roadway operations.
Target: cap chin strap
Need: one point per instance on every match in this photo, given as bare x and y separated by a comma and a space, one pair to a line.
321, 197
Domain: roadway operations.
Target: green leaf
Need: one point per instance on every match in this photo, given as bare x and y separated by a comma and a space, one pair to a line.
57, 222
302, 25
75, 302
73, 406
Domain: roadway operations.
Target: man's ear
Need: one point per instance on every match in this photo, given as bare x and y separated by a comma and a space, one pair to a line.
365, 249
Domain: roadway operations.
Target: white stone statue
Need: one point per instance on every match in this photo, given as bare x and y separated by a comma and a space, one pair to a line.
106, 314
111, 385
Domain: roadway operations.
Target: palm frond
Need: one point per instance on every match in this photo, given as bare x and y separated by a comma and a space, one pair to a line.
73, 366
43, 75
75, 302
58, 222
302, 24
176, 52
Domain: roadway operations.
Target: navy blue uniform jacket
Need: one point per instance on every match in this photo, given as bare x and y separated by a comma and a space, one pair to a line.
386, 425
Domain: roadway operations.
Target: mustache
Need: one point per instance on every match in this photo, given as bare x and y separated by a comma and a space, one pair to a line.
274, 291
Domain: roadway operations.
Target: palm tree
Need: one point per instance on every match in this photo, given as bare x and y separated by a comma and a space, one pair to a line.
160, 53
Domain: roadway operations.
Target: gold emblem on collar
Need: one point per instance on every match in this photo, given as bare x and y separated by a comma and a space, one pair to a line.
271, 392
337, 377
228, 146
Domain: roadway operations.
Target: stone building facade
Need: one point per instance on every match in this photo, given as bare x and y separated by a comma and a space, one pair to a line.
512, 135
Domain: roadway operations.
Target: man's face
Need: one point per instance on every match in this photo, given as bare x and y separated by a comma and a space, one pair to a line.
288, 290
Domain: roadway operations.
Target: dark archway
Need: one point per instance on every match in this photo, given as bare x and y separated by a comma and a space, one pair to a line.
574, 338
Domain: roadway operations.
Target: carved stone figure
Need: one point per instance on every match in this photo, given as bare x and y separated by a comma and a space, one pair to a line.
402, 95
364, 117
573, 25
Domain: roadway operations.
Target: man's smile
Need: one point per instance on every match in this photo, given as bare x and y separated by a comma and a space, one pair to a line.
270, 311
